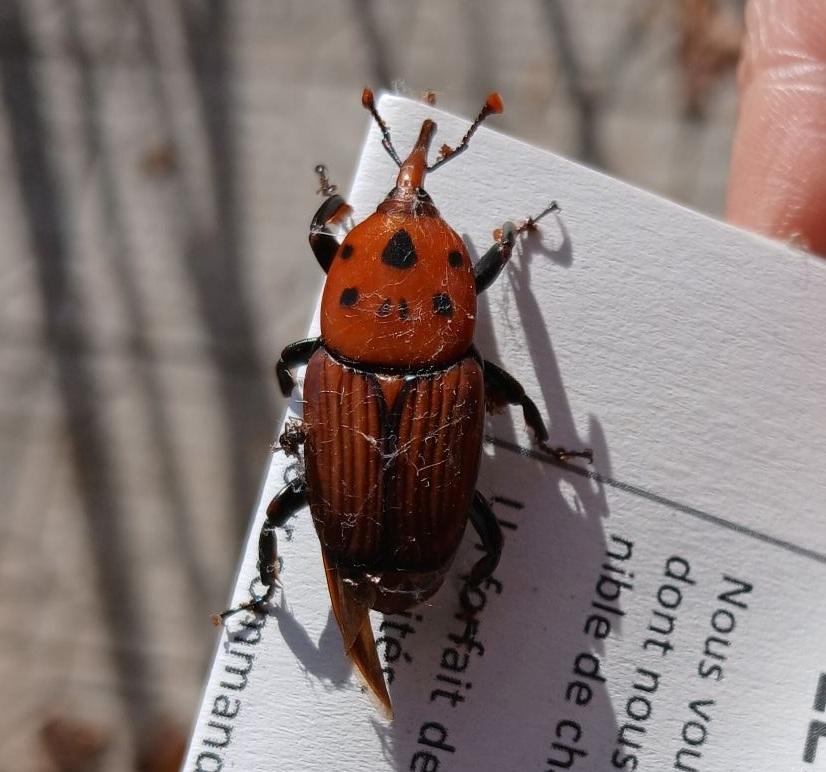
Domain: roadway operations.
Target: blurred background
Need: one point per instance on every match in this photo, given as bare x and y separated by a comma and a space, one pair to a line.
157, 161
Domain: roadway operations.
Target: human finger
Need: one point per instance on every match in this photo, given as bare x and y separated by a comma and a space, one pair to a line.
777, 184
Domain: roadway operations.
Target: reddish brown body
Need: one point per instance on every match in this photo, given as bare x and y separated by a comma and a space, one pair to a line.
394, 405
394, 401
391, 464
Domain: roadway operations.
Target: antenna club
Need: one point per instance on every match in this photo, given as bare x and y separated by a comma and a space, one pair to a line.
494, 104
367, 99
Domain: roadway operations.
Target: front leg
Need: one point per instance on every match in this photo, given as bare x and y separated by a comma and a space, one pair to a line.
334, 209
495, 259
501, 389
295, 354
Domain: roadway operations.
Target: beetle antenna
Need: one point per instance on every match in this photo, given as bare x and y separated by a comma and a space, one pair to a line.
387, 143
493, 106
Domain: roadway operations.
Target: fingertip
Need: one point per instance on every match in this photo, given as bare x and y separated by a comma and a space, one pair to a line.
777, 184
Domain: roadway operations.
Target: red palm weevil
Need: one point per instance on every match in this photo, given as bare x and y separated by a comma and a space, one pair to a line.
395, 395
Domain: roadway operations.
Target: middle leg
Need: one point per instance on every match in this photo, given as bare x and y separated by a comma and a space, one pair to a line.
501, 388
292, 438
293, 355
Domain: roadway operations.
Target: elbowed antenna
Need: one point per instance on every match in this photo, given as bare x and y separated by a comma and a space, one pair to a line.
493, 106
368, 102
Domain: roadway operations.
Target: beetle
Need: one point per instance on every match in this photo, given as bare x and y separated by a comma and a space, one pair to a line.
395, 396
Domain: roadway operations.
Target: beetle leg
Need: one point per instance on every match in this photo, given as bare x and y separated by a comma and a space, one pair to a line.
292, 438
490, 533
295, 354
495, 259
322, 241
501, 388
291, 498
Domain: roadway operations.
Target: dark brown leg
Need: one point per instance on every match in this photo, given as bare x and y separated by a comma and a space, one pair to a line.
293, 437
494, 260
291, 498
501, 388
295, 354
490, 534
322, 241
286, 503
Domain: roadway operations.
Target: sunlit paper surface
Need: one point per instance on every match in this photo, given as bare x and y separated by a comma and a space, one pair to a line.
689, 356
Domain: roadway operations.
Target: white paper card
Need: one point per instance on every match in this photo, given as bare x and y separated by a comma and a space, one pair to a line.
668, 611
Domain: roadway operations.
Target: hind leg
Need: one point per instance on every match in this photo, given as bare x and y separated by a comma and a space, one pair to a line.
291, 498
489, 531
487, 527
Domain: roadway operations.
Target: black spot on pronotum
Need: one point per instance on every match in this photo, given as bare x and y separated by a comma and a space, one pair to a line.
349, 296
455, 259
404, 310
399, 251
385, 308
346, 251
442, 304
